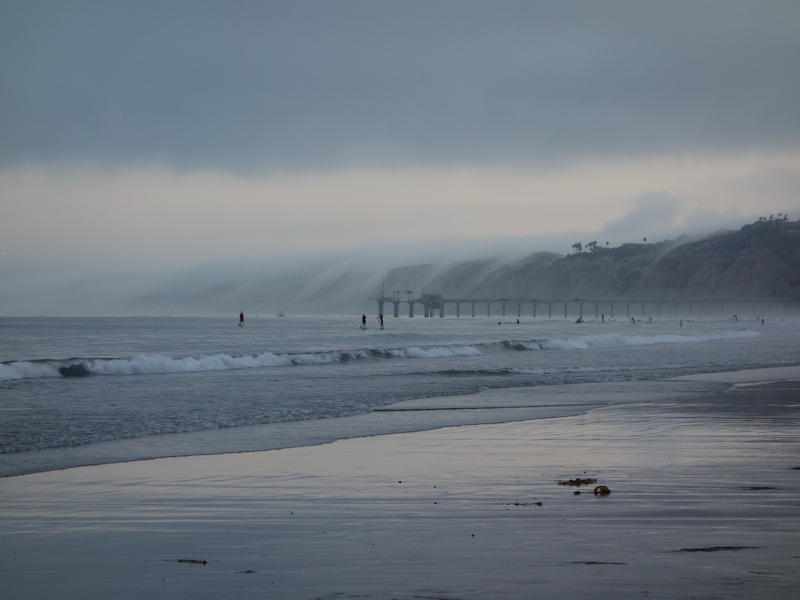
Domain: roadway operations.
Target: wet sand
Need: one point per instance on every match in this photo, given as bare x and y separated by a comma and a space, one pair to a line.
704, 503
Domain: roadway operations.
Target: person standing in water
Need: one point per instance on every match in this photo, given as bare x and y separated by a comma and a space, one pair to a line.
241, 319
380, 320
363, 321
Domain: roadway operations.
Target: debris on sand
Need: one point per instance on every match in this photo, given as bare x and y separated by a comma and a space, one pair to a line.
578, 482
717, 549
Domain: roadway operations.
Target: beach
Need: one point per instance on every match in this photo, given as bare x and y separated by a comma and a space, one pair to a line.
703, 503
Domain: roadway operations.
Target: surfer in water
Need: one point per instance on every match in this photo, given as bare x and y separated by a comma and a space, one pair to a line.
363, 321
380, 320
241, 319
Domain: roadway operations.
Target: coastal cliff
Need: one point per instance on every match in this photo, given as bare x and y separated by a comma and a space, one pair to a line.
759, 262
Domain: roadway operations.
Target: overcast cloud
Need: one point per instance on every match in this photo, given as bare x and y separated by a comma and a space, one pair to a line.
299, 84
169, 132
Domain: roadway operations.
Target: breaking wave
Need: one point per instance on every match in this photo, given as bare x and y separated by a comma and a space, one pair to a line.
160, 364
615, 340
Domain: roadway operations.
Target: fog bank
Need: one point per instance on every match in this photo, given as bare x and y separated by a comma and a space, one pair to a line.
336, 282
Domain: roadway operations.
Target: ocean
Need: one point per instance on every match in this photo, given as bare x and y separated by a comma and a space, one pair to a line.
91, 390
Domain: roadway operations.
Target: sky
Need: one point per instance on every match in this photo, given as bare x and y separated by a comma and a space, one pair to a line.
163, 134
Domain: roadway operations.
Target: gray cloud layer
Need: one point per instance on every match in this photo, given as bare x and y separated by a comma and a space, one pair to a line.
297, 84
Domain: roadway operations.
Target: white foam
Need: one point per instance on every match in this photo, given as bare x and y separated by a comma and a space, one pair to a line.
314, 359
26, 370
615, 340
157, 363
437, 352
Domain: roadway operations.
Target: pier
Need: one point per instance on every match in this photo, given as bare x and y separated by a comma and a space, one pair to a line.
436, 305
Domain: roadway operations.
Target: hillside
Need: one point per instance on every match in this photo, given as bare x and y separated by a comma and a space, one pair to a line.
761, 261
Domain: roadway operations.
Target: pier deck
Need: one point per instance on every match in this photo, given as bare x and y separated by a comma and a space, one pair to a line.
433, 304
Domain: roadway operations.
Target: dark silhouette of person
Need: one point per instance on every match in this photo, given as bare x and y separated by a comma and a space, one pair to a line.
363, 321
241, 319
380, 320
